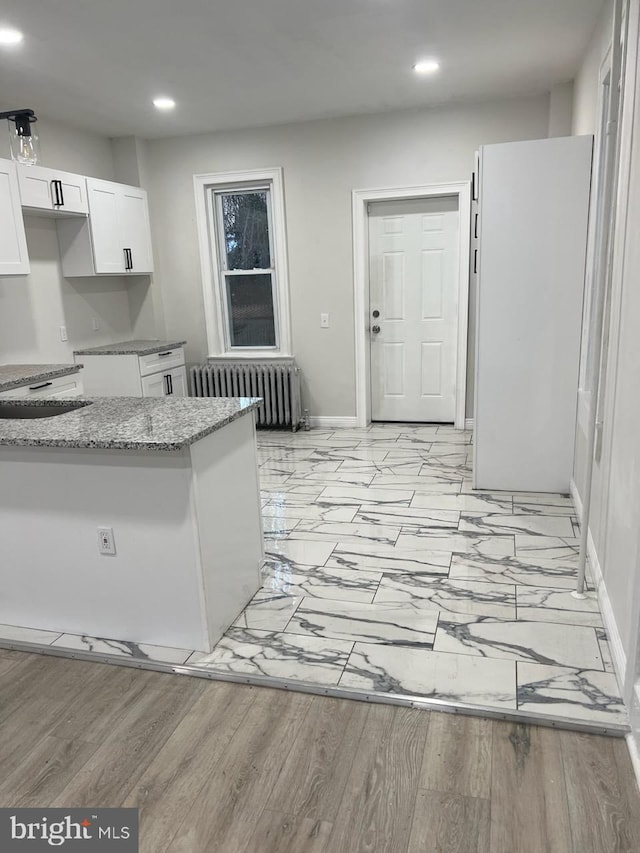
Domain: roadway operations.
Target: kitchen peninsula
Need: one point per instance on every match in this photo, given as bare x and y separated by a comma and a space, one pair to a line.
172, 482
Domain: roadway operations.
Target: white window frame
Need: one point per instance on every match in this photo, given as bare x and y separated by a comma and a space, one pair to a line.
215, 307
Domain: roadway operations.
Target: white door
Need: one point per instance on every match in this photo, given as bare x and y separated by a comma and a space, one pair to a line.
13, 242
134, 222
413, 306
108, 248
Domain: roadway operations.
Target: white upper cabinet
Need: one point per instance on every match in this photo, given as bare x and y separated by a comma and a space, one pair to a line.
114, 240
106, 230
52, 192
14, 259
134, 221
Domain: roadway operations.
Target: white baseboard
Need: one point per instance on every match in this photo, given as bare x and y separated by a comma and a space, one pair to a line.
577, 500
333, 423
468, 424
615, 641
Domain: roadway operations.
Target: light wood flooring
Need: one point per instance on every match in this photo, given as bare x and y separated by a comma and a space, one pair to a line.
225, 768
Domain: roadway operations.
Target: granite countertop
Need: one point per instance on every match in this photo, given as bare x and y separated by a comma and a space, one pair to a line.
124, 423
131, 348
17, 375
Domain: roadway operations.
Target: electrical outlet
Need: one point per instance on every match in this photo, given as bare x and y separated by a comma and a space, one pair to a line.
95, 324
106, 542
324, 321
63, 333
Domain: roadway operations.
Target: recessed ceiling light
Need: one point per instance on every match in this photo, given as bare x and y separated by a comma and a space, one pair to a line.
9, 36
427, 66
163, 103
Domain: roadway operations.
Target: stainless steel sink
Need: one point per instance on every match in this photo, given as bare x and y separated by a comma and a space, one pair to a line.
19, 410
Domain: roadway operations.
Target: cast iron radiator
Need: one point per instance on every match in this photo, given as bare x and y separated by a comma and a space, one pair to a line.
277, 382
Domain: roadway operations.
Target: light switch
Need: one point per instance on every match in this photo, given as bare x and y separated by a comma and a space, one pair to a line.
95, 324
63, 333
324, 321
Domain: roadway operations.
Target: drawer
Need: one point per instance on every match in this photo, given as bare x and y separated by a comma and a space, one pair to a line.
164, 360
61, 386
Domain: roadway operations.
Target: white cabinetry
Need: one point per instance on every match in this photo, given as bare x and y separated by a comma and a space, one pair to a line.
61, 386
161, 374
52, 192
14, 259
114, 240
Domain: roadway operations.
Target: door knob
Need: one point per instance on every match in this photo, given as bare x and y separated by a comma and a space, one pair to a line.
375, 329
376, 313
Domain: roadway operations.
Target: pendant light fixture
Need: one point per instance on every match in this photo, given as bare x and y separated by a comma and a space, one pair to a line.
23, 139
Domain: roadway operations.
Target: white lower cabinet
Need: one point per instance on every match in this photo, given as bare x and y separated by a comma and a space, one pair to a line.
178, 383
160, 374
154, 385
61, 386
169, 383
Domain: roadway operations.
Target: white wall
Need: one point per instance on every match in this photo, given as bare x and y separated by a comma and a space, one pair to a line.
615, 523
561, 110
323, 162
33, 307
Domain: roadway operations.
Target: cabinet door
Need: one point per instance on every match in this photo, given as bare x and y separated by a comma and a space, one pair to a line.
104, 213
155, 385
73, 192
51, 190
178, 382
13, 242
134, 229
35, 187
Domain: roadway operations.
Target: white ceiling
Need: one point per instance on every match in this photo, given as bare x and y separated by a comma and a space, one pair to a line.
243, 63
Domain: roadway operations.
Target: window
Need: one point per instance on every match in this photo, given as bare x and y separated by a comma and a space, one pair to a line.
244, 240
242, 247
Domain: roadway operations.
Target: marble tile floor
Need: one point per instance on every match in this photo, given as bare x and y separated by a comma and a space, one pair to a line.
385, 572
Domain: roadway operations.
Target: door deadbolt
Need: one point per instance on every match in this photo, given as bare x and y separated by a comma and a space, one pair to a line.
376, 313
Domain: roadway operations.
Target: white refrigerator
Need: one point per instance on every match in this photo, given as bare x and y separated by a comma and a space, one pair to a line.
533, 209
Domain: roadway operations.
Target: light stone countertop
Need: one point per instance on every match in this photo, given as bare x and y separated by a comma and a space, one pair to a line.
138, 347
124, 423
18, 375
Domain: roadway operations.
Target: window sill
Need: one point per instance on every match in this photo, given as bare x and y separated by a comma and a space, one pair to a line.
258, 355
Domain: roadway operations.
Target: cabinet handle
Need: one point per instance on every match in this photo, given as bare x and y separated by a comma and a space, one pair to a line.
171, 384
475, 261
168, 384
58, 193
42, 385
128, 259
475, 227
163, 354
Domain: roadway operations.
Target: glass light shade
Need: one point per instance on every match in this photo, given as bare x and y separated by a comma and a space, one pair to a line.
24, 149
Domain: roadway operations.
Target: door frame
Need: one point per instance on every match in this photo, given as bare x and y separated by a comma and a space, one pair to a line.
360, 200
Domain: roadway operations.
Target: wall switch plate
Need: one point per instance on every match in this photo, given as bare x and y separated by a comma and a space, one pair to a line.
63, 333
95, 324
106, 542
324, 321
